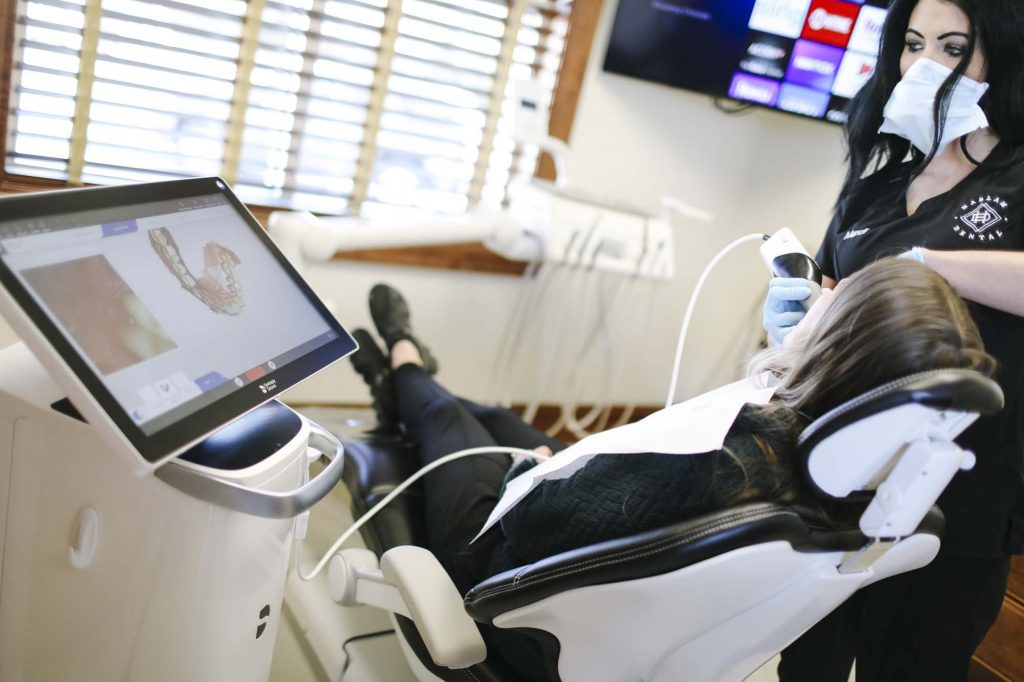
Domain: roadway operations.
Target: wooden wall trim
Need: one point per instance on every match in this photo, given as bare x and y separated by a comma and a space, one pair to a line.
586, 14
7, 17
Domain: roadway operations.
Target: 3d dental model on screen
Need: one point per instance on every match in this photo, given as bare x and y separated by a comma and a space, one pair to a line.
219, 287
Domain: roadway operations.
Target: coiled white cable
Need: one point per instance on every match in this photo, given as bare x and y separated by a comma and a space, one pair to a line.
554, 322
344, 537
532, 284
600, 336
693, 303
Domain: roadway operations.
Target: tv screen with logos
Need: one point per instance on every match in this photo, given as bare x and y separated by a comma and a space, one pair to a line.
806, 57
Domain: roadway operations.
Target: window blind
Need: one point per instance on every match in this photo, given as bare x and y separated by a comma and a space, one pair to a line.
334, 106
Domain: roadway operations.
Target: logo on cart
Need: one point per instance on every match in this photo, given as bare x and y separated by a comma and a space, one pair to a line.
262, 625
980, 219
268, 386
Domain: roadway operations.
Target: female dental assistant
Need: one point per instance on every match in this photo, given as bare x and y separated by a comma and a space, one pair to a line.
957, 205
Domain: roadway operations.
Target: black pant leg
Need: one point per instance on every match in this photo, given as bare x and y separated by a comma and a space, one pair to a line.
459, 495
925, 625
507, 428
921, 626
825, 652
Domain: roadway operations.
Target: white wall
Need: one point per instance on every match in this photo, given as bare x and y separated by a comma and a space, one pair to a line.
633, 142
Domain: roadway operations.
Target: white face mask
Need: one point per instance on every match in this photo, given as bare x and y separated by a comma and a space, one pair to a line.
909, 112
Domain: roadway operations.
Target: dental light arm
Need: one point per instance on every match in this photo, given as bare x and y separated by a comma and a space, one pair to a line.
304, 236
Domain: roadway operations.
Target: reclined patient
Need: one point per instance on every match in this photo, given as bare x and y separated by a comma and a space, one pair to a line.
893, 319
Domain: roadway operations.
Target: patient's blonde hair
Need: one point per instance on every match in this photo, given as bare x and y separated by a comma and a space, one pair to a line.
894, 318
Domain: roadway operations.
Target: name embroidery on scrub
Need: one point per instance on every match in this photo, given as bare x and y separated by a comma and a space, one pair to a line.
850, 234
981, 219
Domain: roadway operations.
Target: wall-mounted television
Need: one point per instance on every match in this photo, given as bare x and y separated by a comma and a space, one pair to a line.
806, 57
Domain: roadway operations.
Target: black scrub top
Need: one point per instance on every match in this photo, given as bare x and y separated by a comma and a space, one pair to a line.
984, 507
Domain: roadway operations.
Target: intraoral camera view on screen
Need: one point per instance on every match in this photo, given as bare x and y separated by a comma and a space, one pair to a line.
173, 305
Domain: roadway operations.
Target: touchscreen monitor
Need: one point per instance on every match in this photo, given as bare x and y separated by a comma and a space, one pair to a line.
166, 302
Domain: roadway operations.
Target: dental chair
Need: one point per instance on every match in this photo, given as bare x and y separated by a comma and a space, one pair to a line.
709, 599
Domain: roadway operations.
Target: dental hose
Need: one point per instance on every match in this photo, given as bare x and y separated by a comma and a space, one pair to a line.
351, 530
684, 328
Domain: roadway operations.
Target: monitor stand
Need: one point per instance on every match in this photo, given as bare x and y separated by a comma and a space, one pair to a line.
108, 575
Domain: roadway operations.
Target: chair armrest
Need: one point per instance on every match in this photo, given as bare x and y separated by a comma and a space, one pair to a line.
409, 581
435, 606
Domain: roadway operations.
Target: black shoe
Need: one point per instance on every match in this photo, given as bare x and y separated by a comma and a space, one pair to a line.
390, 315
371, 364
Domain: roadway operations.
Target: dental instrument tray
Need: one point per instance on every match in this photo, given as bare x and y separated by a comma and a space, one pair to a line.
163, 309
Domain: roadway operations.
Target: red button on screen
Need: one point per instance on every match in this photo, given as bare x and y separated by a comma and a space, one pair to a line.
831, 22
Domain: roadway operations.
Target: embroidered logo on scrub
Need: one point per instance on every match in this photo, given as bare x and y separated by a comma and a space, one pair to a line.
981, 219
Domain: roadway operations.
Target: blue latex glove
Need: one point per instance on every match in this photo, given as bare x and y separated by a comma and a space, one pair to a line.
782, 307
914, 253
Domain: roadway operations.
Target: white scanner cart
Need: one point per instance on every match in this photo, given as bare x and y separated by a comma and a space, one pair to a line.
150, 539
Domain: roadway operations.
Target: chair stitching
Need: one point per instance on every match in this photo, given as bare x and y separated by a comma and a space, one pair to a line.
884, 389
652, 547
519, 574
639, 552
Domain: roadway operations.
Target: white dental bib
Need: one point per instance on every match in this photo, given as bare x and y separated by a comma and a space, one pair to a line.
695, 426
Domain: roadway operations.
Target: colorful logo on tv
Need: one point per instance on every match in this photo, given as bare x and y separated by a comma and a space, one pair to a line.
782, 17
754, 89
766, 55
804, 101
831, 22
814, 65
853, 73
867, 34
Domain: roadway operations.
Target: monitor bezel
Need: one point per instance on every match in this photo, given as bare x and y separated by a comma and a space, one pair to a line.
191, 428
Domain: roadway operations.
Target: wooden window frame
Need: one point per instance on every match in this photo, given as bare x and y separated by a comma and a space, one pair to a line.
470, 257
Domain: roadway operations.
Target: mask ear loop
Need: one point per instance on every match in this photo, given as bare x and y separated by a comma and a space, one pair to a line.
963, 148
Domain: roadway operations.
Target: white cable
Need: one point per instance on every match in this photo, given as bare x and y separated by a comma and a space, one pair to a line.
552, 330
544, 275
645, 317
555, 314
602, 330
518, 321
486, 450
567, 409
692, 304
645, 320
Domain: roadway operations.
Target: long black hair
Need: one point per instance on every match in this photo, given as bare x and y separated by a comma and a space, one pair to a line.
997, 29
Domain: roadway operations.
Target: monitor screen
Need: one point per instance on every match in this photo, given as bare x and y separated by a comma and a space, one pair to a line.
168, 301
806, 57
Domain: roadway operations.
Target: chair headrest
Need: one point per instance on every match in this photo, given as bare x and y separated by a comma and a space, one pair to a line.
848, 448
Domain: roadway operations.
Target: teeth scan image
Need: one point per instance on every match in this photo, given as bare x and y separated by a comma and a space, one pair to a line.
218, 287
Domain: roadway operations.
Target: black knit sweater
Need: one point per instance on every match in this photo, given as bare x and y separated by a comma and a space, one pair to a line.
615, 495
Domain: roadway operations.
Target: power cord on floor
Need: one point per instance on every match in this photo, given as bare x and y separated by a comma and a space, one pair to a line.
348, 656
